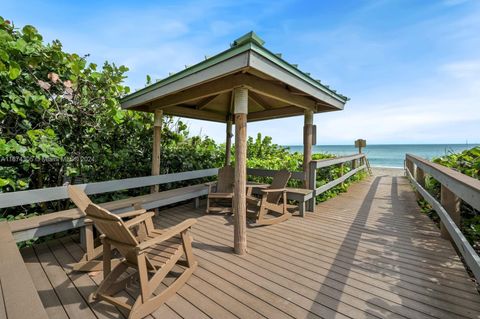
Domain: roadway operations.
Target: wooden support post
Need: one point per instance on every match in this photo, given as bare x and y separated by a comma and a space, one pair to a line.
228, 142
307, 145
157, 137
451, 203
313, 184
341, 173
409, 166
240, 209
420, 178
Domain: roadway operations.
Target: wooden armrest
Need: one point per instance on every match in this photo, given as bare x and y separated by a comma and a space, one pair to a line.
141, 218
132, 213
169, 233
258, 186
274, 190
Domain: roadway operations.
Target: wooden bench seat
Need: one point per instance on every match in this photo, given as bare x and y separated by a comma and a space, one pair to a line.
301, 196
18, 296
25, 229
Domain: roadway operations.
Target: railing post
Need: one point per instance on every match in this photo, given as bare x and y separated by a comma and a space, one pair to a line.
409, 166
341, 173
312, 183
354, 164
451, 203
420, 178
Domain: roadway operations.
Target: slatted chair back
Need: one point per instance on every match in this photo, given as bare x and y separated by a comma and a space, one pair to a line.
78, 197
280, 180
225, 181
114, 229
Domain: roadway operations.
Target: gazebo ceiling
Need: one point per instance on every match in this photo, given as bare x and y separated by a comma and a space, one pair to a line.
204, 91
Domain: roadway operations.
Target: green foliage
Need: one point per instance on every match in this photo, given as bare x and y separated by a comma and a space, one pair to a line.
60, 121
468, 163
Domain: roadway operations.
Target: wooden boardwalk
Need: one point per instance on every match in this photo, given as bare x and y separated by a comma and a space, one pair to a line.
366, 253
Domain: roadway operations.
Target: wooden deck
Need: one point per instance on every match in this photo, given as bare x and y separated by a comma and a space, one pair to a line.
367, 253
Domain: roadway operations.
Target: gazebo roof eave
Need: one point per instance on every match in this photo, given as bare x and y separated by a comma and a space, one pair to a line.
244, 55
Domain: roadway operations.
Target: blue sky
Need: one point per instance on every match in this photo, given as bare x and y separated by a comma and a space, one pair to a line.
411, 68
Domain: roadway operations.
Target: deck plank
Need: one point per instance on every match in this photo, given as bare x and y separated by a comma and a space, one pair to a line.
368, 253
73, 302
288, 268
49, 298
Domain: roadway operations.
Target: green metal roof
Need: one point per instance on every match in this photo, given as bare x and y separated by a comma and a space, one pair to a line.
249, 41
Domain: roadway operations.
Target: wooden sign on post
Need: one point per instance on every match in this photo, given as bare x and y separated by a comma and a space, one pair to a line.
360, 143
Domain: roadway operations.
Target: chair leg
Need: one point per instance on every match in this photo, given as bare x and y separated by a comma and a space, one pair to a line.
109, 280
107, 258
145, 304
208, 206
187, 248
144, 309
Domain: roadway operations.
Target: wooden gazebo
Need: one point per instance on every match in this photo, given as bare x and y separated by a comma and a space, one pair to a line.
243, 84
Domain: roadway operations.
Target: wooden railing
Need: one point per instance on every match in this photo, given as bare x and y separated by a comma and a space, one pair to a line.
358, 162
68, 219
51, 223
58, 193
455, 187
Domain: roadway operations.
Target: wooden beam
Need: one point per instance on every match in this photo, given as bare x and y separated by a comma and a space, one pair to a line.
203, 104
157, 137
275, 113
201, 91
252, 102
240, 208
194, 113
259, 100
257, 85
277, 92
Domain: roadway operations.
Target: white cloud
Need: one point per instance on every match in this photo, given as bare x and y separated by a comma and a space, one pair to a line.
468, 69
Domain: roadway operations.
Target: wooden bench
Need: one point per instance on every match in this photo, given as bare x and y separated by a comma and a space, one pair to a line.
51, 223
25, 229
18, 296
300, 195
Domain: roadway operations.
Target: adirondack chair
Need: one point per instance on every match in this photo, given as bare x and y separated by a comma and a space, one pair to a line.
89, 262
273, 199
220, 193
153, 258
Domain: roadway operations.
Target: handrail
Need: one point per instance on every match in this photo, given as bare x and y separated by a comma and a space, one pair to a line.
316, 164
337, 160
34, 196
463, 186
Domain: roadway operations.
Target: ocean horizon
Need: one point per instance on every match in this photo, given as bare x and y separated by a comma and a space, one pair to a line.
388, 155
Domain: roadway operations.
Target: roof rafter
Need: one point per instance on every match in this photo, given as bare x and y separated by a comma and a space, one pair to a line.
226, 84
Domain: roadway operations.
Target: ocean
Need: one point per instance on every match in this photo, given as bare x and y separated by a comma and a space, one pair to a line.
391, 155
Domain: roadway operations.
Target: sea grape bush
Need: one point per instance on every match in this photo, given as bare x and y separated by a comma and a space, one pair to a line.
468, 163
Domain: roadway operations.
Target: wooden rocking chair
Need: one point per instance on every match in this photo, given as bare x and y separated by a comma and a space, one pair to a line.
273, 199
90, 261
153, 258
220, 193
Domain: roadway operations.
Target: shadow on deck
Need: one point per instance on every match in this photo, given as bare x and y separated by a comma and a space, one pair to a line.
366, 253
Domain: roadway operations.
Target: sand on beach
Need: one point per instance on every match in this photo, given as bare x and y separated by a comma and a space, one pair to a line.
389, 171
